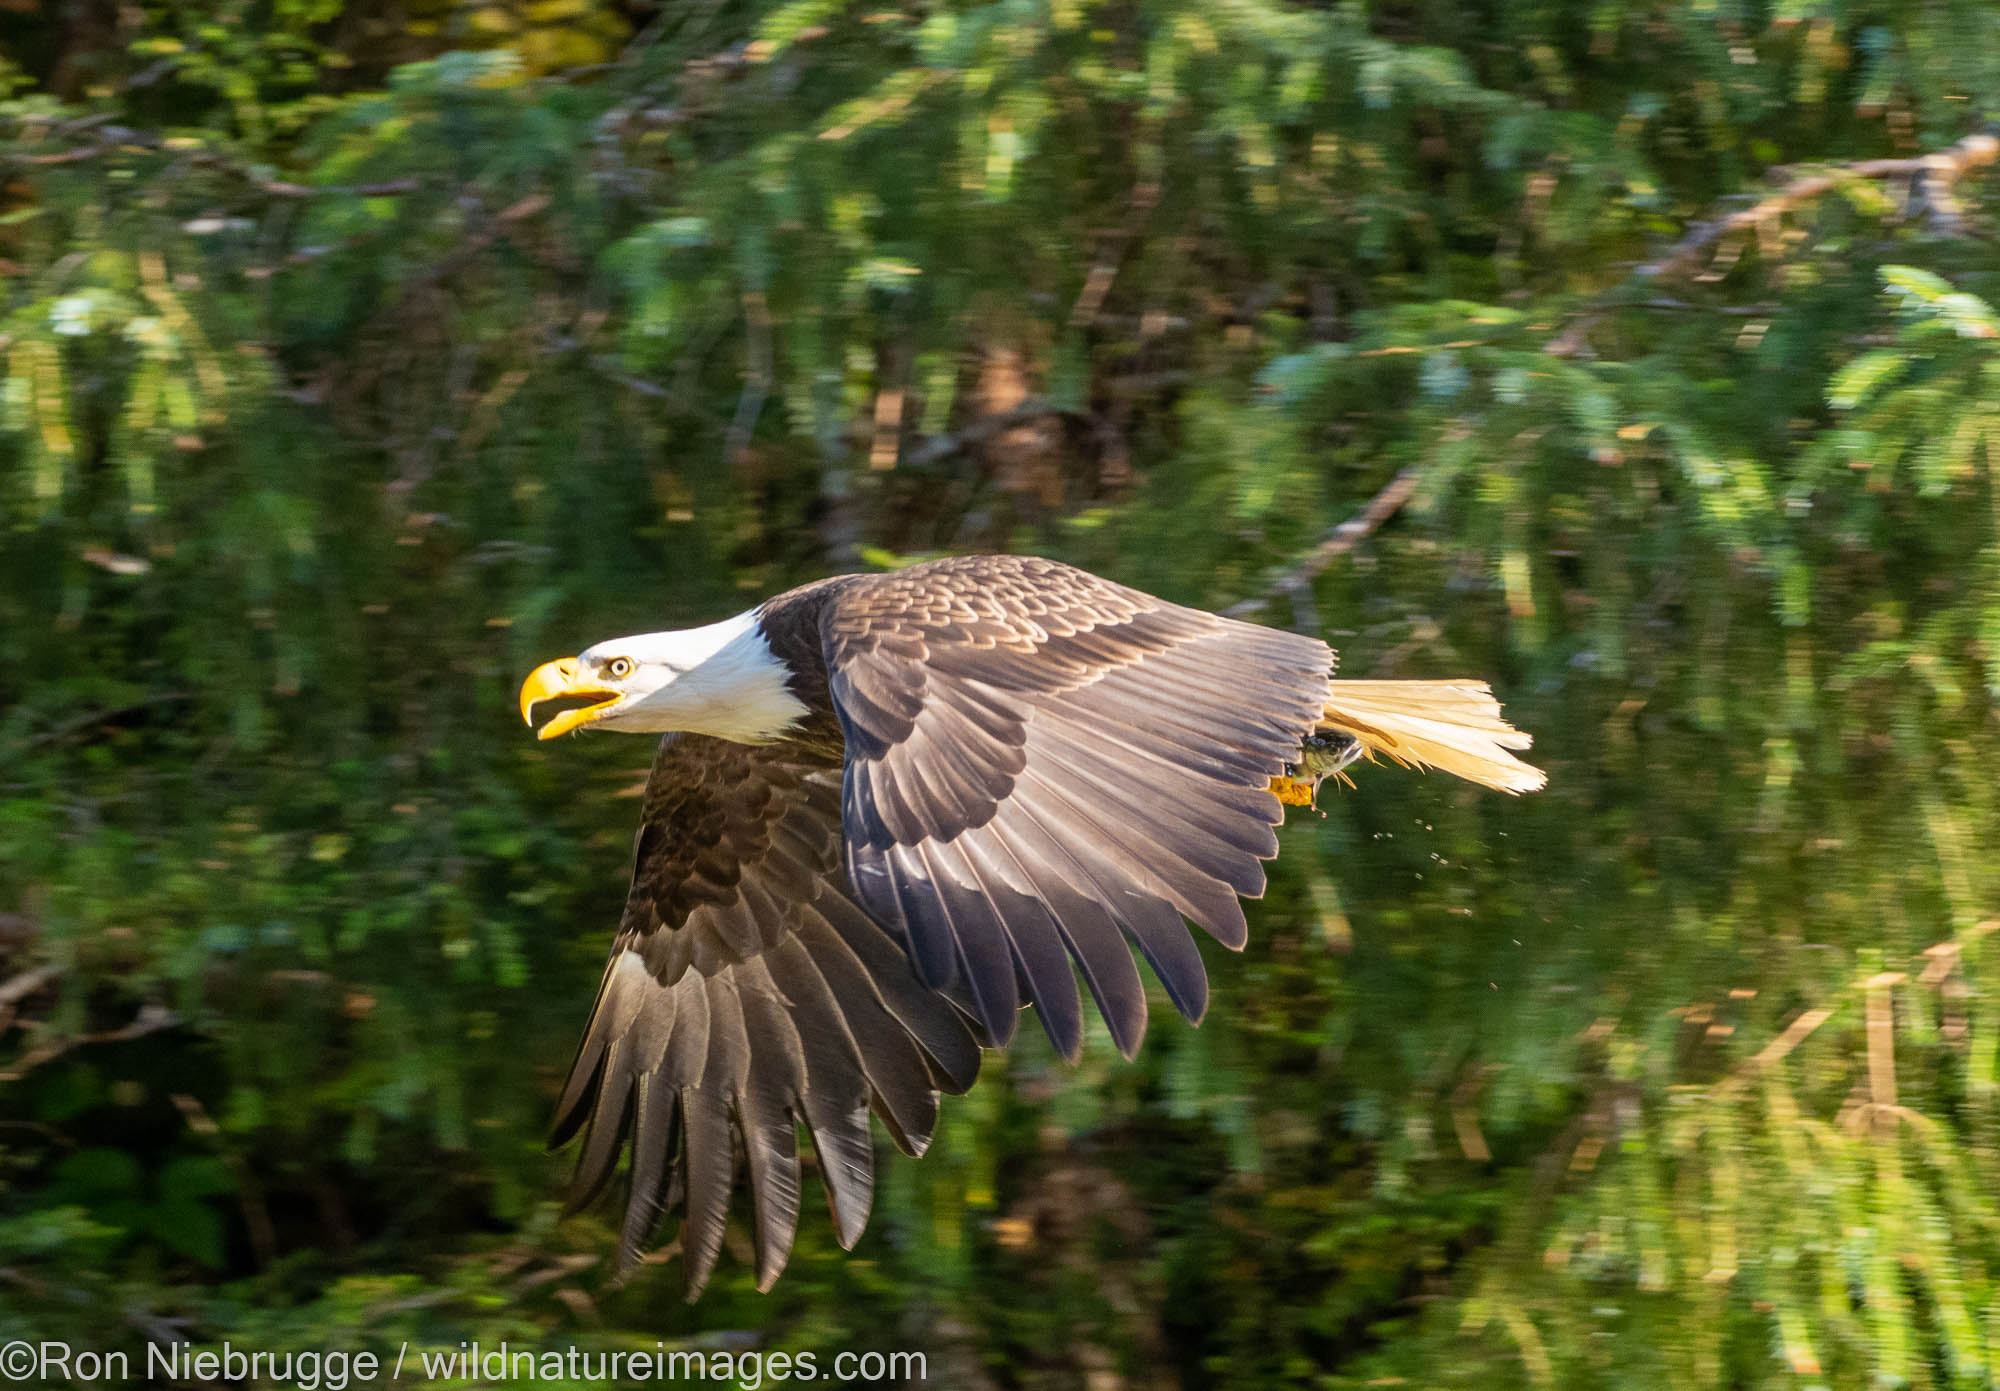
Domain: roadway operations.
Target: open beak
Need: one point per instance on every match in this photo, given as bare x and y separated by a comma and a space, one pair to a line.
564, 680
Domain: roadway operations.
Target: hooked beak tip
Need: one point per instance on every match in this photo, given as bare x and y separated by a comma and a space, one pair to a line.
561, 679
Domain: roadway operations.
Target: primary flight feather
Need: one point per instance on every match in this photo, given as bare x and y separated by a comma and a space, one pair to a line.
890, 811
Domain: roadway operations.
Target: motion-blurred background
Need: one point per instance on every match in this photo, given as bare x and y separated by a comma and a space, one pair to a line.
359, 355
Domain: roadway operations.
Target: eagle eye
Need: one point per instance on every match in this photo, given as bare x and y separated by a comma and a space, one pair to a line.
619, 668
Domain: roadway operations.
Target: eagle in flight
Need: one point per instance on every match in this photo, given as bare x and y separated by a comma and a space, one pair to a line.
892, 809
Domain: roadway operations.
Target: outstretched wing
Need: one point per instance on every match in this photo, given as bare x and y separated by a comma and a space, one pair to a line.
746, 994
1041, 763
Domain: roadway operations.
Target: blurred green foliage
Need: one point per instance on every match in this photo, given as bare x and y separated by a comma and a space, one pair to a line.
358, 356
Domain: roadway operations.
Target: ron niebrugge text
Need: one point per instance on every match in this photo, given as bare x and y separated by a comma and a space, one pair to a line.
51, 1362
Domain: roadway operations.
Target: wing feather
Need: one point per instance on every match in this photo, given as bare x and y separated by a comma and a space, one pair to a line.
711, 1171
1042, 764
889, 1058
656, 1113
1034, 933
1126, 866
938, 1025
948, 905
747, 994
599, 1155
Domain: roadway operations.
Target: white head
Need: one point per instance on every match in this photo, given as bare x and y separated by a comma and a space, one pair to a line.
722, 680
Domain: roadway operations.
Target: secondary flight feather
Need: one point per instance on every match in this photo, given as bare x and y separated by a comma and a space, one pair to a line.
889, 812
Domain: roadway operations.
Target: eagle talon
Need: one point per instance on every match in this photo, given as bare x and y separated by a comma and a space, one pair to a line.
1321, 756
1294, 792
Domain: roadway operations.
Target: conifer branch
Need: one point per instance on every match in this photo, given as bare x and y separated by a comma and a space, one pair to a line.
1337, 543
113, 138
1934, 178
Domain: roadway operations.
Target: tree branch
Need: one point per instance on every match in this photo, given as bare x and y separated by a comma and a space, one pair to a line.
1097, 284
27, 983
1337, 543
1934, 177
20, 988
941, 447
114, 138
151, 1019
96, 717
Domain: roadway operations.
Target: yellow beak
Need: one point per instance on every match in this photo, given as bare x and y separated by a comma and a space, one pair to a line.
563, 678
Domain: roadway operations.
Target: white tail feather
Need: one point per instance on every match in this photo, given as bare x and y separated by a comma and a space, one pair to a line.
1453, 725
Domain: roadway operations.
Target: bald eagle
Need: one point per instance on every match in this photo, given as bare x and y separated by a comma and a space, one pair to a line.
892, 809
